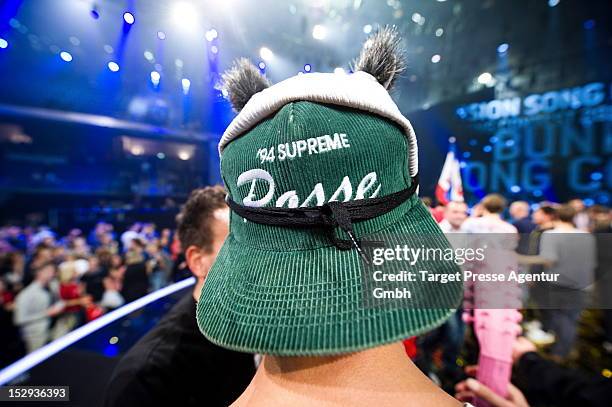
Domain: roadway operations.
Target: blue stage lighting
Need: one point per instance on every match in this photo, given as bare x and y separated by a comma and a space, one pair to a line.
596, 176
94, 14
461, 112
129, 17
487, 149
262, 65
553, 3
3, 43
66, 56
307, 68
503, 48
161, 35
113, 66
589, 24
515, 189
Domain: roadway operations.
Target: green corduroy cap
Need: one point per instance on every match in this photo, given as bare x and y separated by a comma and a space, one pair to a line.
305, 142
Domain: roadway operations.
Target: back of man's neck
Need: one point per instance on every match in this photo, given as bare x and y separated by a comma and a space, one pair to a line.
383, 376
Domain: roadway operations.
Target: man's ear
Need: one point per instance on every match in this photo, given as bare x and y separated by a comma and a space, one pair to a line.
195, 256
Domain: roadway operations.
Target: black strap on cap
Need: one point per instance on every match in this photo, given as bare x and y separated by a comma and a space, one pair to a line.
329, 216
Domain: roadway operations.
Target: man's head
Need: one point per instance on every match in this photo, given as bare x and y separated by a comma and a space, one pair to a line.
577, 205
566, 213
544, 215
519, 210
45, 273
494, 203
455, 213
316, 166
600, 217
203, 225
137, 245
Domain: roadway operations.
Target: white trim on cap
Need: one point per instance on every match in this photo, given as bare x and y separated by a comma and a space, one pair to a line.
359, 90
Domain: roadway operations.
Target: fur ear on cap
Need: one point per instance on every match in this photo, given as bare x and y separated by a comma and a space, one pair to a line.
242, 81
382, 56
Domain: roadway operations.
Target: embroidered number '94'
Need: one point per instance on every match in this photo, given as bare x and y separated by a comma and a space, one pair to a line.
301, 148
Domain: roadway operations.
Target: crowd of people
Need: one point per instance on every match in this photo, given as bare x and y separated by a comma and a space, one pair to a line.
51, 284
569, 240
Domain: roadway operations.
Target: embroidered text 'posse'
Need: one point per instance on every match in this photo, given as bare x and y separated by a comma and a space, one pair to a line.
291, 198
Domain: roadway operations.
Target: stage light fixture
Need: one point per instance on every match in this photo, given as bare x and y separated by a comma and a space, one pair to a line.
262, 65
367, 28
129, 18
214, 49
439, 32
211, 35
149, 56
137, 150
155, 77
486, 79
184, 155
515, 189
266, 54
66, 56
3, 43
553, 3
319, 32
161, 156
307, 68
108, 49
436, 58
186, 83
418, 18
503, 48
113, 66
161, 35
185, 15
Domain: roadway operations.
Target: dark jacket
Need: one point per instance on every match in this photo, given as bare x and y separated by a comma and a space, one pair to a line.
546, 383
175, 365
